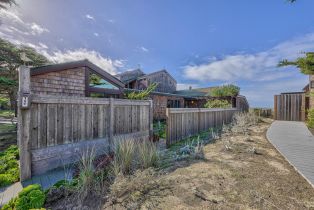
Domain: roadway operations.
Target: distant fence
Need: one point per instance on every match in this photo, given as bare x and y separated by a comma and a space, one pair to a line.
54, 130
262, 112
290, 106
184, 122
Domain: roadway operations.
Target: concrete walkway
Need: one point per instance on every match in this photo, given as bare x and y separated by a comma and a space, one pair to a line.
45, 180
296, 143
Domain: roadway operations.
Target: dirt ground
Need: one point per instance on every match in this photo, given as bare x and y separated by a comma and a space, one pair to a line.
238, 172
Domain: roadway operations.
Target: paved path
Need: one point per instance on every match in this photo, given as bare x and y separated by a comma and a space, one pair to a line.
296, 143
46, 180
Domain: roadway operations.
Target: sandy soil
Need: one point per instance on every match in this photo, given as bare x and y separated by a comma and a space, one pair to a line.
250, 174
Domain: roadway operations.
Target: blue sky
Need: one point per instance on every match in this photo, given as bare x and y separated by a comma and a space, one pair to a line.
201, 43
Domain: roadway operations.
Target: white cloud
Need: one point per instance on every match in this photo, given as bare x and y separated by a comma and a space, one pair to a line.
261, 94
13, 23
96, 34
184, 86
260, 66
88, 16
109, 65
142, 49
37, 29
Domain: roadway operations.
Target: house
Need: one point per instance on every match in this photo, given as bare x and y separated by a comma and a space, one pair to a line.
166, 94
85, 79
75, 79
136, 79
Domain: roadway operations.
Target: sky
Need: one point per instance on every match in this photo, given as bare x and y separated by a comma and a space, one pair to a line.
201, 43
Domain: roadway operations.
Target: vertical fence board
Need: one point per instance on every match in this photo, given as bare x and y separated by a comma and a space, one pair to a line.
184, 122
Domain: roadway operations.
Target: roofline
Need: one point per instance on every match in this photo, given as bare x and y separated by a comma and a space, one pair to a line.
76, 64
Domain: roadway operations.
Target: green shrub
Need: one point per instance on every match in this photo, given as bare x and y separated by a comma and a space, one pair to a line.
141, 95
9, 168
4, 102
160, 129
225, 90
216, 103
310, 118
31, 197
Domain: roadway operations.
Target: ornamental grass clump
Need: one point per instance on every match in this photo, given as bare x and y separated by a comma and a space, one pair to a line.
124, 155
147, 154
130, 155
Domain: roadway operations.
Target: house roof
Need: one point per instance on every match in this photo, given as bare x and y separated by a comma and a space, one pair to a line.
128, 76
306, 88
198, 92
76, 64
156, 72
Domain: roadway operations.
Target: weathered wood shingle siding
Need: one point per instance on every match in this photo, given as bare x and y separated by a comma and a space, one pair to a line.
70, 82
166, 83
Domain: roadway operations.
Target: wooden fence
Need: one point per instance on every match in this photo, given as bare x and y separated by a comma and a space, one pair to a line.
184, 122
290, 106
54, 130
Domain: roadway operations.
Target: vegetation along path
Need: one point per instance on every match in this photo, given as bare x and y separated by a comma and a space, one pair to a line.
296, 143
239, 170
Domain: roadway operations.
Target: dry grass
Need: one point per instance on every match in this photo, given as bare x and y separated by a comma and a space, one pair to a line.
249, 175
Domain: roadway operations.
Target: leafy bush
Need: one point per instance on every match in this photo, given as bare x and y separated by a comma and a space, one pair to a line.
4, 103
31, 197
9, 168
141, 95
310, 118
225, 90
160, 129
216, 103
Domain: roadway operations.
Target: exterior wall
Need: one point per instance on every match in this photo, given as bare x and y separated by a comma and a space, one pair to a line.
166, 83
160, 105
70, 82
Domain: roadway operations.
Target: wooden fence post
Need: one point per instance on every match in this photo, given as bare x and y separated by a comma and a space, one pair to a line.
111, 123
24, 123
151, 126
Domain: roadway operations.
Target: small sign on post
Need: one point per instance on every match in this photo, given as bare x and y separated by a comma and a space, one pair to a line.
25, 101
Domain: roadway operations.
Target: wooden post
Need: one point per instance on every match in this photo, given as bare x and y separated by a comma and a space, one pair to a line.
151, 127
167, 127
111, 123
24, 123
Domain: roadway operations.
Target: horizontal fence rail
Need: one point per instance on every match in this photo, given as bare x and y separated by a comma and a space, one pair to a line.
184, 122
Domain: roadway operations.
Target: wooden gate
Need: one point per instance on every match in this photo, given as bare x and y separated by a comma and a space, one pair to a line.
290, 106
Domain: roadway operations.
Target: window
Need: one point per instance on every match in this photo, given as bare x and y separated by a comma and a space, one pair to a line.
98, 82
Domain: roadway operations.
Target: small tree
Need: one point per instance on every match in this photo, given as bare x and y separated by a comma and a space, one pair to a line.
305, 64
10, 60
225, 90
141, 95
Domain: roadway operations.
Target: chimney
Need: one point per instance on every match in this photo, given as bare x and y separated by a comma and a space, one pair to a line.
190, 88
